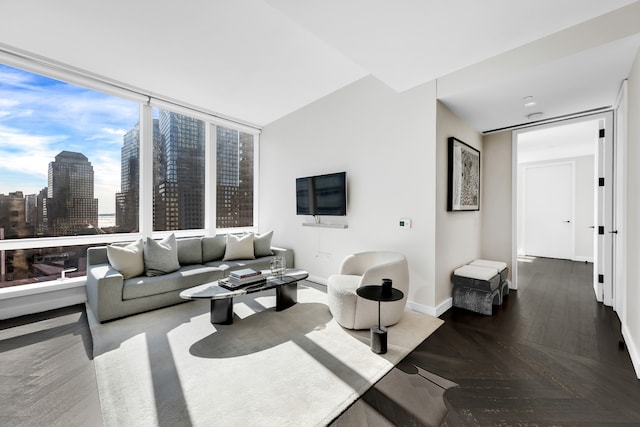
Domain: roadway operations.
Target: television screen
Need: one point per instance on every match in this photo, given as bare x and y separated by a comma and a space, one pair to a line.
322, 195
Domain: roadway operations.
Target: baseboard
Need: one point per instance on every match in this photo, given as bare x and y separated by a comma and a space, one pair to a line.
632, 349
431, 311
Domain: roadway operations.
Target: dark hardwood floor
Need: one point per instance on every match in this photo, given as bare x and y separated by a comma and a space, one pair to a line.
549, 356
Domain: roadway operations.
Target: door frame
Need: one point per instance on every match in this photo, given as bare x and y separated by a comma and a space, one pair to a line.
605, 116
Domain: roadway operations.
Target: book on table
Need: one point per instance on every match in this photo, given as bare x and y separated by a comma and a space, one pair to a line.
231, 283
245, 273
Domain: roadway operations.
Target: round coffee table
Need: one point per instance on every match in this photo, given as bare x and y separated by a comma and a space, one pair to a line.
376, 293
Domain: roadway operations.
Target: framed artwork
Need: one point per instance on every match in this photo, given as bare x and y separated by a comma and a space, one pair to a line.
464, 177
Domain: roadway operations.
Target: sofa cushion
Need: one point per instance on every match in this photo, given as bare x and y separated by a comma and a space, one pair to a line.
213, 248
189, 251
161, 257
187, 277
262, 244
239, 247
262, 263
128, 260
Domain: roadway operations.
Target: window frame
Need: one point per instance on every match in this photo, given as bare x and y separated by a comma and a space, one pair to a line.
146, 102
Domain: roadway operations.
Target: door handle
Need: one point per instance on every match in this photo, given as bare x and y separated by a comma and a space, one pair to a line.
591, 226
566, 221
613, 232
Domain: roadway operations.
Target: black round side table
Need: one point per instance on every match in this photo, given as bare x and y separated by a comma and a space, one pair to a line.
376, 293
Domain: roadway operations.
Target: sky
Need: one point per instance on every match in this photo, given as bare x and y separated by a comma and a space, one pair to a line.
40, 117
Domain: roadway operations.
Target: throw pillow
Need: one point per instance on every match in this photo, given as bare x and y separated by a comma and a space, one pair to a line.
262, 244
239, 247
213, 248
128, 260
161, 257
189, 251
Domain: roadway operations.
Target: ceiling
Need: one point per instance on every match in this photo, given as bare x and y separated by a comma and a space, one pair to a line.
259, 60
558, 142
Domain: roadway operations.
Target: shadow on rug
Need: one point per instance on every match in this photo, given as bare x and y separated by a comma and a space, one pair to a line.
172, 367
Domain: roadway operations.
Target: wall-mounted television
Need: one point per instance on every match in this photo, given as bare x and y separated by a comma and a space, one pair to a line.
322, 194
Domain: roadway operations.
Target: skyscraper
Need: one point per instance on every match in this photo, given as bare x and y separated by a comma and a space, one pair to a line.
179, 191
234, 188
70, 205
128, 200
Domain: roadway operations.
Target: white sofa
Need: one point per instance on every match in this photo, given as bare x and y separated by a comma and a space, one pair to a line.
361, 269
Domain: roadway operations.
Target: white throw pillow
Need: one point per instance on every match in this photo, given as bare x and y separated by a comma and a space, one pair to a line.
161, 257
128, 260
262, 244
239, 247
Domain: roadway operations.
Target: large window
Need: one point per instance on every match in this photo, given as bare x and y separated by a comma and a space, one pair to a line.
178, 172
234, 184
71, 174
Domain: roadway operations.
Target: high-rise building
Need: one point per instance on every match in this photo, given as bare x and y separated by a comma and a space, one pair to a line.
71, 207
128, 200
179, 163
13, 216
234, 188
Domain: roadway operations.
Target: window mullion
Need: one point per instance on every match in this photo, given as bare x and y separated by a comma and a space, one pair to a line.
146, 171
210, 179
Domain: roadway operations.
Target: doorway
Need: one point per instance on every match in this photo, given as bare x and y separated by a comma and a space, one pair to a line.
557, 200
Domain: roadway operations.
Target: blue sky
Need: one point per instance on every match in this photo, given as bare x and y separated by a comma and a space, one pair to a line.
40, 117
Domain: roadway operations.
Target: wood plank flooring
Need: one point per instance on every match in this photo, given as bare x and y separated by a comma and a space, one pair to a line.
548, 357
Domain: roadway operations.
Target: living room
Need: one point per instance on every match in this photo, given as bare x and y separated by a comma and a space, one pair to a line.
391, 143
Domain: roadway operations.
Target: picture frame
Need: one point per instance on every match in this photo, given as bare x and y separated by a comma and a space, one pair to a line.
463, 192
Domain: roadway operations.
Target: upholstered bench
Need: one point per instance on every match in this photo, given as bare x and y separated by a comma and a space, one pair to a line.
476, 288
503, 271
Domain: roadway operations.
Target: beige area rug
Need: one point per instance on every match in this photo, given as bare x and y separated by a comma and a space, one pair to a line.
297, 367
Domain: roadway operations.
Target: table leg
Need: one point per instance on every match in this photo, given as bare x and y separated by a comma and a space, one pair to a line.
222, 311
378, 340
379, 337
286, 296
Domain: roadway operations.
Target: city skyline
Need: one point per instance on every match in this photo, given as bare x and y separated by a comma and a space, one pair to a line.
41, 117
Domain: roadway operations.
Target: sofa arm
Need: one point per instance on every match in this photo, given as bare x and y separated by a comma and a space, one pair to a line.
104, 291
286, 253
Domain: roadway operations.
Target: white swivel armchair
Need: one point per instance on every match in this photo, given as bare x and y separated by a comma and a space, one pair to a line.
367, 268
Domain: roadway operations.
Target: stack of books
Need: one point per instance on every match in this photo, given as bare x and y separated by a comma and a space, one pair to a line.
241, 278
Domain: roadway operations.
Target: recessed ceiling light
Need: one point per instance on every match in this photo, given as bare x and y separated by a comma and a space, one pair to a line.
529, 102
535, 116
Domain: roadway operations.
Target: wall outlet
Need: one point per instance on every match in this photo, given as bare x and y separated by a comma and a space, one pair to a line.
405, 223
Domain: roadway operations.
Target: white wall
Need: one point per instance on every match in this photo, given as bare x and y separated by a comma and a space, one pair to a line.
631, 330
584, 189
496, 198
458, 234
385, 141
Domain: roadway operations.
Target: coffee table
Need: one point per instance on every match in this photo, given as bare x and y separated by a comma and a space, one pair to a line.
222, 299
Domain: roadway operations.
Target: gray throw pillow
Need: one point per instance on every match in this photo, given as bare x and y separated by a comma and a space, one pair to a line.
189, 251
213, 248
262, 244
161, 257
128, 260
239, 247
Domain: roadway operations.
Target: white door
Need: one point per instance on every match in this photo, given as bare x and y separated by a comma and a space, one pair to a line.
548, 211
